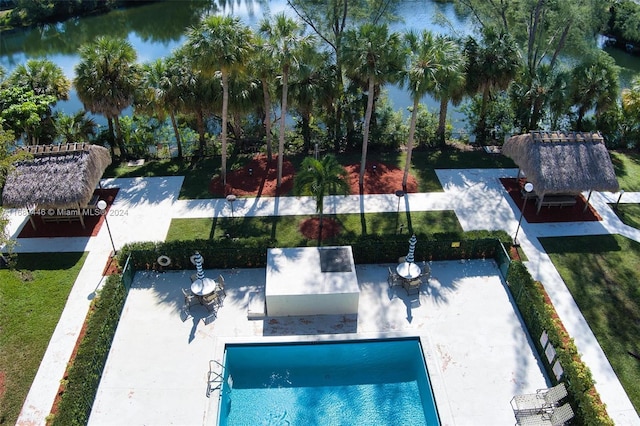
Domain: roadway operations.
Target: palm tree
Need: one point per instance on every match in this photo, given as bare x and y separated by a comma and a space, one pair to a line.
631, 108
221, 44
594, 85
490, 67
285, 40
106, 80
310, 83
421, 78
371, 52
196, 91
74, 128
631, 97
450, 80
43, 77
319, 178
162, 93
263, 66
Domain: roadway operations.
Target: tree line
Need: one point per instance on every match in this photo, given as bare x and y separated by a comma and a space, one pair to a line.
527, 68
24, 13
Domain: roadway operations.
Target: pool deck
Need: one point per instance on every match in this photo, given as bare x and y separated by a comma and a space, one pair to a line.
157, 369
159, 364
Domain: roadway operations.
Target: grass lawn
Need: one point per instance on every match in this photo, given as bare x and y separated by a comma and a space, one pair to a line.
629, 214
196, 174
199, 173
286, 229
31, 300
627, 168
602, 274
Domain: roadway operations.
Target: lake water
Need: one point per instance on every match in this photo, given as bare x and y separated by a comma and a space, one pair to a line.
155, 30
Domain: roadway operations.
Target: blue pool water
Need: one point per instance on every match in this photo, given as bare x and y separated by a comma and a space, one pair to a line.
380, 382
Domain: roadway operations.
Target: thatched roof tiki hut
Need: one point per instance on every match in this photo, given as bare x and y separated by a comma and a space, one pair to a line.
561, 164
58, 177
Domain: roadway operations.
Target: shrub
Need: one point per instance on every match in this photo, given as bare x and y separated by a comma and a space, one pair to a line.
539, 315
85, 370
252, 252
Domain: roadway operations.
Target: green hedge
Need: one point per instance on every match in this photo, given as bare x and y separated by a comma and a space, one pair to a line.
539, 315
83, 375
252, 252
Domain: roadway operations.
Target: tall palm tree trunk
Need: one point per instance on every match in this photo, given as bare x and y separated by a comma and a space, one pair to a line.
442, 121
321, 217
306, 129
119, 138
201, 137
267, 118
174, 123
283, 113
412, 131
112, 138
482, 120
365, 132
223, 133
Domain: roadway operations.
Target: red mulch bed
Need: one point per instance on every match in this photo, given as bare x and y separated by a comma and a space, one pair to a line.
257, 178
112, 267
310, 228
549, 214
379, 178
70, 229
63, 385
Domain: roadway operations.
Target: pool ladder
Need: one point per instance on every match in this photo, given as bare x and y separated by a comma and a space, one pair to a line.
214, 376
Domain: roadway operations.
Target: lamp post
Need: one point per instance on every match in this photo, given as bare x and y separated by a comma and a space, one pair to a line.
528, 187
399, 194
102, 205
231, 198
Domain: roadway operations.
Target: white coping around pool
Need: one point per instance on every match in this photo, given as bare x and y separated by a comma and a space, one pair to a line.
292, 290
476, 349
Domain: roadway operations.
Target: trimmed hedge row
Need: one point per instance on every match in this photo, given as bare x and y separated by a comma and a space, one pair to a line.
252, 252
539, 315
83, 374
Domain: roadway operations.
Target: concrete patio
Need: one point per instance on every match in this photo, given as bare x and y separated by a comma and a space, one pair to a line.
157, 369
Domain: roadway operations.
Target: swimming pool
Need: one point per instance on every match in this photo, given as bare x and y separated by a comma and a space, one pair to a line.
373, 382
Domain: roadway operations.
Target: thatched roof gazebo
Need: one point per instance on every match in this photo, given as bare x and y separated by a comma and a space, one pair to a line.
560, 163
57, 177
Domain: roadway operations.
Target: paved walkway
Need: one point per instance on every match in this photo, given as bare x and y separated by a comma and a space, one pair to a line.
146, 206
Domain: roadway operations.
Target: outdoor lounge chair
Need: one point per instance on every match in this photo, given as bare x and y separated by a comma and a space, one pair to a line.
537, 402
553, 417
